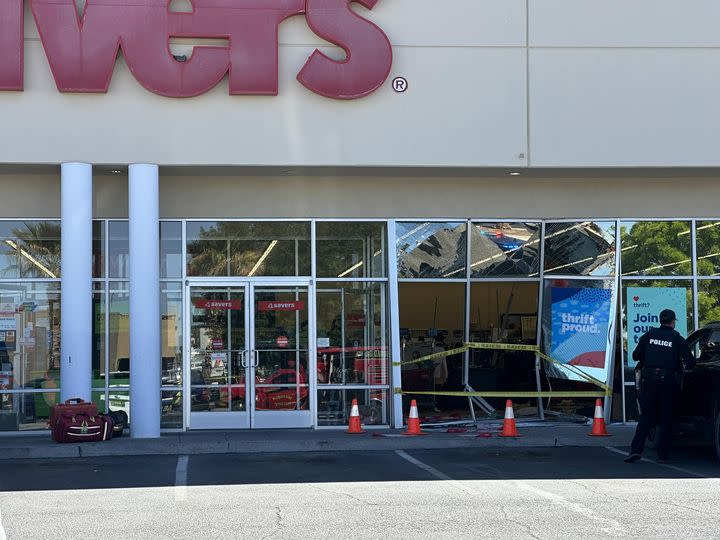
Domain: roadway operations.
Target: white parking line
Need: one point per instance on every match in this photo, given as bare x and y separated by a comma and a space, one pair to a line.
666, 465
3, 535
609, 526
180, 479
423, 466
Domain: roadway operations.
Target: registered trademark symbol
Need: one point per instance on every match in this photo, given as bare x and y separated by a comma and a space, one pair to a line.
400, 84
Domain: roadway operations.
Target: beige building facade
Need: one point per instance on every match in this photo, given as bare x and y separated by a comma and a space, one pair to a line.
311, 249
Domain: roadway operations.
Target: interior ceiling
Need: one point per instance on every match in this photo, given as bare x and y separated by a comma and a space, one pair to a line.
417, 172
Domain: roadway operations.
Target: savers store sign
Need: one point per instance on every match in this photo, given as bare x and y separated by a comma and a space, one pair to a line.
82, 49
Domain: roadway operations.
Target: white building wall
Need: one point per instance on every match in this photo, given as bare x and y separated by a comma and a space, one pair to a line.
493, 83
617, 83
546, 194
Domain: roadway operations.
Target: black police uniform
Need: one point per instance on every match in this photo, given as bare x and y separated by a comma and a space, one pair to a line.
660, 354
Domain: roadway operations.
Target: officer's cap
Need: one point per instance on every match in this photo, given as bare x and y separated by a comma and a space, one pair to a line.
667, 316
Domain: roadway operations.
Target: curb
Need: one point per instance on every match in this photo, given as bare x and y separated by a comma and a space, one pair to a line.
182, 444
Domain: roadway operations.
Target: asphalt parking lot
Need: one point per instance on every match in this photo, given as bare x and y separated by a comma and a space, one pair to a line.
465, 493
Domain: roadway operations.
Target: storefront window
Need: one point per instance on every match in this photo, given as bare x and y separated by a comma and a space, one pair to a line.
98, 247
29, 353
171, 249
172, 409
350, 249
352, 334
98, 398
119, 335
505, 249
632, 403
432, 319
253, 249
171, 333
118, 400
353, 355
708, 301
334, 406
29, 335
98, 340
576, 320
656, 248
432, 250
707, 234
26, 411
504, 312
644, 299
585, 248
118, 249
29, 249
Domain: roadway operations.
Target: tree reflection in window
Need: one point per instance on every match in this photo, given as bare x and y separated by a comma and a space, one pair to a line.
227, 248
30, 249
656, 248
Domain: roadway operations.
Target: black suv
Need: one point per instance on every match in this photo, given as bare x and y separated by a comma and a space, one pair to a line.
699, 409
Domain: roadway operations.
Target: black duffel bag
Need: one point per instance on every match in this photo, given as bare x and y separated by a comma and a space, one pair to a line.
120, 422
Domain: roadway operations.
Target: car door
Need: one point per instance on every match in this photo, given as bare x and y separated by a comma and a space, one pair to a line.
690, 384
700, 388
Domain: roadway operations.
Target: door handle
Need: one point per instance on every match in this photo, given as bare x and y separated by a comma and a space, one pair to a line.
243, 359
256, 358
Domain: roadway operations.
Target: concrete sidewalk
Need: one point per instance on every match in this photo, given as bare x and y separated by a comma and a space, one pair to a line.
266, 441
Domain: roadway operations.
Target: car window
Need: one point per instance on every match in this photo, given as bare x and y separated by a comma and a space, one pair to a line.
698, 343
711, 348
714, 339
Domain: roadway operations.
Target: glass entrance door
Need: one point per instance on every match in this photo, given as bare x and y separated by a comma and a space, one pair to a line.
219, 363
248, 355
281, 354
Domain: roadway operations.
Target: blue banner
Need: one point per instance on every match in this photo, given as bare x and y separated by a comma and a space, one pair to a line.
644, 305
579, 331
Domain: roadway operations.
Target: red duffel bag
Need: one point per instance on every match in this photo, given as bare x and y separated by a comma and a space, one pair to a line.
82, 428
71, 406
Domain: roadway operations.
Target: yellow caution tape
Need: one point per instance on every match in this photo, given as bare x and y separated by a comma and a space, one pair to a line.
575, 370
511, 347
503, 347
434, 356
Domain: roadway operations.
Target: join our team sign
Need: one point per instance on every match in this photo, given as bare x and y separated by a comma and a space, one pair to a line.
644, 305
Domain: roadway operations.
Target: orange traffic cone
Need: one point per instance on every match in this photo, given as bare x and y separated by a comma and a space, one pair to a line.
413, 421
354, 427
509, 428
598, 428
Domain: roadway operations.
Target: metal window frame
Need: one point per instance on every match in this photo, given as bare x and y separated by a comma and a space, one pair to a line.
391, 278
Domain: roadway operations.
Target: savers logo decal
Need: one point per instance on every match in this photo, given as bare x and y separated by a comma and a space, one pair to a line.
82, 50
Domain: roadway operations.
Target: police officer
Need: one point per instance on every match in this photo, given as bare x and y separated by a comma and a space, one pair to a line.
660, 354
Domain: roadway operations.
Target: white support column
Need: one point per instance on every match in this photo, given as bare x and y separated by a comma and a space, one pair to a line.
144, 236
76, 287
395, 356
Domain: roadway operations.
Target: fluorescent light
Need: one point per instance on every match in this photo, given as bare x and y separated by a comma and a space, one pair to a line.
581, 261
351, 269
358, 265
263, 257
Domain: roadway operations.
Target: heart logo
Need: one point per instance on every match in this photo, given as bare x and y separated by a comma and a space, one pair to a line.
636, 298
